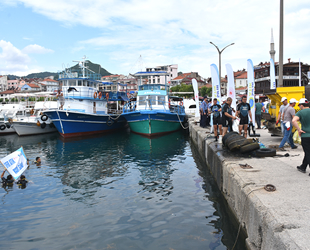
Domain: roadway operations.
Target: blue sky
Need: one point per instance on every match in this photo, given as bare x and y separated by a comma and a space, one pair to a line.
44, 35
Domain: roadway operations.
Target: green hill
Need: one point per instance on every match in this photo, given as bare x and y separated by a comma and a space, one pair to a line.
94, 67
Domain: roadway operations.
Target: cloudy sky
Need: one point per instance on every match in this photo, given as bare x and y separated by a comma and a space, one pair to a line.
45, 35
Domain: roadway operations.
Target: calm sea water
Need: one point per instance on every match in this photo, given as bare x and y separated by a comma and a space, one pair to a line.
118, 191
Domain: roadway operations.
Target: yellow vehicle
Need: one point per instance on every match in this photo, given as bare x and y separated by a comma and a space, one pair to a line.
273, 112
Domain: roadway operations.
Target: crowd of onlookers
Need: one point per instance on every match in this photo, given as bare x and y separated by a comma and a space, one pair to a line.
221, 115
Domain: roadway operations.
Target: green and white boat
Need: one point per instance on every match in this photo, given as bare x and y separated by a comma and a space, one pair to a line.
154, 112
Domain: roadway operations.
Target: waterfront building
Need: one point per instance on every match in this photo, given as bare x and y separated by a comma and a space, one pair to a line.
290, 75
30, 87
49, 85
172, 71
3, 83
186, 78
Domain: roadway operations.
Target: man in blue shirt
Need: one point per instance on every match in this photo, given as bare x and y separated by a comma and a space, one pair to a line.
204, 112
244, 110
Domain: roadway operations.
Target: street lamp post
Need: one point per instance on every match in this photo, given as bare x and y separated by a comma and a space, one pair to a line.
220, 52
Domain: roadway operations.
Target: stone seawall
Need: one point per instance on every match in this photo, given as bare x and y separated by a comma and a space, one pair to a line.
264, 216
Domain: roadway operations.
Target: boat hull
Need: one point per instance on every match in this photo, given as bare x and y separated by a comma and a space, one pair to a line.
153, 123
7, 131
27, 128
73, 124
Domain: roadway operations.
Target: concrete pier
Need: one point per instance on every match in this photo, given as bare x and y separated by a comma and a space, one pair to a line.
271, 220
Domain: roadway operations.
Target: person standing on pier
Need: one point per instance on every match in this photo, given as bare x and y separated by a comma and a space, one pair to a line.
204, 112
217, 123
227, 116
258, 113
303, 116
282, 107
244, 111
288, 116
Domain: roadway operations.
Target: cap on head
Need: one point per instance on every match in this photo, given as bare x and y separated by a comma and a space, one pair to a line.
205, 97
303, 100
283, 99
293, 100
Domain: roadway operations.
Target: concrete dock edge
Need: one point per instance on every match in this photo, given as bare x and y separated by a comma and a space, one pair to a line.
263, 227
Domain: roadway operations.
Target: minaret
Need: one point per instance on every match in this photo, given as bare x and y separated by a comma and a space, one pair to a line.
272, 51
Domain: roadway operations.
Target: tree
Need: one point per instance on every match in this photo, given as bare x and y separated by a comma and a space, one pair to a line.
204, 91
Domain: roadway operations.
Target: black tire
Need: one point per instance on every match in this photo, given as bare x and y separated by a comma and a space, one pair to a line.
2, 127
44, 118
8, 126
265, 152
233, 138
235, 144
249, 147
43, 125
227, 136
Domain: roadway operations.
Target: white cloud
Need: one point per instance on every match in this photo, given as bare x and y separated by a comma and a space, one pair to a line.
180, 31
16, 61
36, 49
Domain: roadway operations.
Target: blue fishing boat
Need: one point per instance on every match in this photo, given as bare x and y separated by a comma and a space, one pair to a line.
154, 112
85, 108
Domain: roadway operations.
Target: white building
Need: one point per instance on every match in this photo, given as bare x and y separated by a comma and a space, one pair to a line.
171, 69
3, 83
50, 85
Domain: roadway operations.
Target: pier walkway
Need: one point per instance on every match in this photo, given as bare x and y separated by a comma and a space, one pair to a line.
271, 220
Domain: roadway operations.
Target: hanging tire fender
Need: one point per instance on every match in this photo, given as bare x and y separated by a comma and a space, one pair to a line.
44, 118
2, 127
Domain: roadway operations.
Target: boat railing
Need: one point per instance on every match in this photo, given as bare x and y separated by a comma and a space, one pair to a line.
152, 105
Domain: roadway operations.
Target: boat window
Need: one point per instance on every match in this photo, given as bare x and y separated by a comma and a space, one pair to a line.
72, 83
152, 100
142, 100
192, 106
79, 83
161, 100
19, 113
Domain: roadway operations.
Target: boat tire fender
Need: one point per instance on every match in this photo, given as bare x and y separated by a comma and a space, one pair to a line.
44, 118
43, 125
8, 125
2, 127
249, 147
265, 152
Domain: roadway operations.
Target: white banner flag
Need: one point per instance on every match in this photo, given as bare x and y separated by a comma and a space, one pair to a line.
251, 89
231, 85
272, 75
195, 87
15, 163
216, 88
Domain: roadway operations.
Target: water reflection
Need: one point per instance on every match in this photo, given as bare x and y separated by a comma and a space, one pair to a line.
154, 158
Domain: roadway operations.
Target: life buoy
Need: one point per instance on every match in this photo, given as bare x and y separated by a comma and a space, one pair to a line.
169, 103
107, 96
181, 103
99, 95
95, 95
44, 118
2, 127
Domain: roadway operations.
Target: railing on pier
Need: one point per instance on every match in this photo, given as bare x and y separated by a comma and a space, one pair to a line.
152, 105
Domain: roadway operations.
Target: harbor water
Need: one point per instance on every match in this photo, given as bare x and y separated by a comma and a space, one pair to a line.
117, 191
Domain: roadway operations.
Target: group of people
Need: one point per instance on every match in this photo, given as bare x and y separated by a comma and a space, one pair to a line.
288, 119
9, 180
223, 115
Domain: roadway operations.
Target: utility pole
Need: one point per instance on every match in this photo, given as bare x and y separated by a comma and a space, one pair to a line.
220, 52
280, 80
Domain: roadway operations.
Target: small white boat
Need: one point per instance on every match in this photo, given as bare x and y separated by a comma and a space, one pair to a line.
190, 106
37, 122
10, 112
